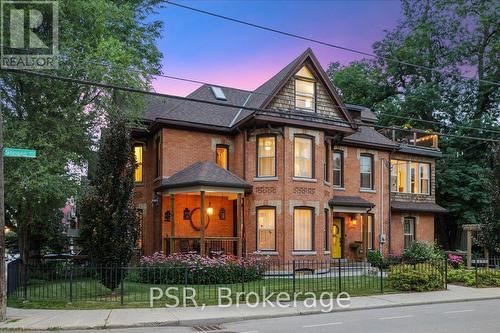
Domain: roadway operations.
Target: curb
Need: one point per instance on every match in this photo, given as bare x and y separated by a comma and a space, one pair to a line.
221, 320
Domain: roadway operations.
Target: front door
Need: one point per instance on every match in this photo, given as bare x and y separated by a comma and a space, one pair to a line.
337, 238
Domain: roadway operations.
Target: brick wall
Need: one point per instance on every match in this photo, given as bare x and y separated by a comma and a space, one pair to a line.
424, 229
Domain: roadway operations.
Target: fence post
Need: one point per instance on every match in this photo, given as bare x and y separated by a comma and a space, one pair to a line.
446, 274
71, 285
122, 278
477, 282
293, 268
340, 276
381, 269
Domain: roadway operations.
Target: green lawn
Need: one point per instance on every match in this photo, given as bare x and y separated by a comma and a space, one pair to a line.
90, 294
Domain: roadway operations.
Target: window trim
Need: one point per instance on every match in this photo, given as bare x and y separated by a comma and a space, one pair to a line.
341, 152
313, 162
428, 178
312, 210
258, 137
226, 147
158, 156
142, 163
414, 222
306, 79
326, 162
257, 228
372, 172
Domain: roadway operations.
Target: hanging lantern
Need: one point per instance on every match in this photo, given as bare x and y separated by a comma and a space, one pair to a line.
168, 216
210, 210
186, 214
222, 214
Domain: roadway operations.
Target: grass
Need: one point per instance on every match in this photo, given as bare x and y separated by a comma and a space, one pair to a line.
90, 294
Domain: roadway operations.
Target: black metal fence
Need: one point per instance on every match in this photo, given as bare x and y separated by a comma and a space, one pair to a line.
64, 282
483, 271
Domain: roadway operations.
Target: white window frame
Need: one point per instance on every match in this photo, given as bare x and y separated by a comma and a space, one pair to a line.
258, 210
370, 157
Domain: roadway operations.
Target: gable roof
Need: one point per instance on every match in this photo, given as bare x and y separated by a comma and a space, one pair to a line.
267, 91
205, 173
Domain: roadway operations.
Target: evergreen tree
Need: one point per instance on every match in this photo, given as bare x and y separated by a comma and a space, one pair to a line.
109, 227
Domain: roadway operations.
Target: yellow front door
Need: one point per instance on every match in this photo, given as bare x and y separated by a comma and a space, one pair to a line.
337, 238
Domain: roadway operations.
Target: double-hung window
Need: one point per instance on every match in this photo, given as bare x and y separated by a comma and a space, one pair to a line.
338, 166
410, 177
303, 157
408, 231
305, 90
266, 156
326, 162
303, 229
366, 171
266, 228
138, 153
424, 178
222, 156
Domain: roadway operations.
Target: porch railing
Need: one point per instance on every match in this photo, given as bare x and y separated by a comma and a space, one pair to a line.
213, 245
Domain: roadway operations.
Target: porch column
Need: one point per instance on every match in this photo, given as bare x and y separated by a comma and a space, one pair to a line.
365, 235
239, 225
202, 223
469, 248
172, 222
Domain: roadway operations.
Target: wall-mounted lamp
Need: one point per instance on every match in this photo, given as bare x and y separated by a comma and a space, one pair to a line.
186, 214
210, 210
168, 216
155, 200
353, 220
222, 214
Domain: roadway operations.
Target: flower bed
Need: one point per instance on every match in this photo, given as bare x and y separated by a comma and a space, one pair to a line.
195, 269
485, 277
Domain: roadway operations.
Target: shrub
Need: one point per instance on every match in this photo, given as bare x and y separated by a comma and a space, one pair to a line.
195, 269
416, 277
455, 261
376, 259
485, 277
421, 252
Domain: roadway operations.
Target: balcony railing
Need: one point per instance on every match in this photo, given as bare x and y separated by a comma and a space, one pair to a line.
413, 138
213, 245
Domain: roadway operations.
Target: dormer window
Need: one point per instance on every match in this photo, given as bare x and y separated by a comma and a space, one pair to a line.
305, 90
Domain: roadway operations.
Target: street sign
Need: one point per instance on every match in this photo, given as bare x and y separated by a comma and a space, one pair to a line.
17, 152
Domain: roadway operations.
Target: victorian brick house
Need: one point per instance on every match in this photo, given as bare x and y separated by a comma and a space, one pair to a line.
293, 172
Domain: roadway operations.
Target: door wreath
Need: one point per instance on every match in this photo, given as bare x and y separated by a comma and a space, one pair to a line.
191, 219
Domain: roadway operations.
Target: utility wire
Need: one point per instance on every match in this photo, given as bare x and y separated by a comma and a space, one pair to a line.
258, 110
336, 46
281, 97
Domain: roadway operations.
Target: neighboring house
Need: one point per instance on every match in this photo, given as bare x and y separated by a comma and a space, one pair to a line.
294, 174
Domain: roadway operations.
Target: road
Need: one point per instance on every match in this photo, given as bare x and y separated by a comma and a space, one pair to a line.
469, 317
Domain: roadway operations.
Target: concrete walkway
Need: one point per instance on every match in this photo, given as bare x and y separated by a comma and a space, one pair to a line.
120, 318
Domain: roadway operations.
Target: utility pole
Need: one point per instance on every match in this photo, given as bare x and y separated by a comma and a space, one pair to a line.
3, 282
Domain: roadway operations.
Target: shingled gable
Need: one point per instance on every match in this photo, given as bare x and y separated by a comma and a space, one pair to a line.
269, 90
205, 173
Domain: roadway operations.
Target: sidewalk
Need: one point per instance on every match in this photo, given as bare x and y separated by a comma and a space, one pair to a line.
120, 318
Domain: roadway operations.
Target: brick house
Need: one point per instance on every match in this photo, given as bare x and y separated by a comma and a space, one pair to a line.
295, 173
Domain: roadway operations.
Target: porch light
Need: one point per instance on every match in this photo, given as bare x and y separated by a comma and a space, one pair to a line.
186, 214
210, 210
353, 220
222, 214
168, 216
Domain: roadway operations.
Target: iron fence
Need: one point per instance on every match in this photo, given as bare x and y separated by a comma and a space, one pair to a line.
64, 282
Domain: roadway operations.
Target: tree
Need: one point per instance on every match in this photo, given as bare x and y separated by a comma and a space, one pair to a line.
109, 227
62, 120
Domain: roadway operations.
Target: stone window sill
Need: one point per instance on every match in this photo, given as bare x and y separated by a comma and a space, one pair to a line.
339, 188
304, 253
307, 180
266, 253
367, 190
265, 179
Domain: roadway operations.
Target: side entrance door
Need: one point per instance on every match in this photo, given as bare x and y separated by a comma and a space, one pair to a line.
337, 239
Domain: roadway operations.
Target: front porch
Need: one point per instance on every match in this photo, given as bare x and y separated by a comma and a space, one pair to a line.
202, 211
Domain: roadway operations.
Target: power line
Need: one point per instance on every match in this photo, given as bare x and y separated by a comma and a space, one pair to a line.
283, 97
336, 46
258, 110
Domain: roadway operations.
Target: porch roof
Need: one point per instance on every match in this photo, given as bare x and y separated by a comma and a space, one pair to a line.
406, 206
205, 174
349, 201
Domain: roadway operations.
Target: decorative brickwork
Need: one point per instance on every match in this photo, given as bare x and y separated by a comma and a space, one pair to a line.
304, 190
265, 190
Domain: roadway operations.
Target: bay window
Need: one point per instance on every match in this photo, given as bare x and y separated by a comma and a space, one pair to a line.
424, 178
266, 228
338, 166
303, 229
410, 177
266, 156
303, 157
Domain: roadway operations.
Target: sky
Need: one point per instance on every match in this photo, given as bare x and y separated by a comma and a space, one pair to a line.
209, 49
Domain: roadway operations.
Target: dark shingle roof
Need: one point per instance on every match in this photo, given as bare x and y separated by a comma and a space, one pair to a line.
205, 173
369, 137
349, 201
405, 206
